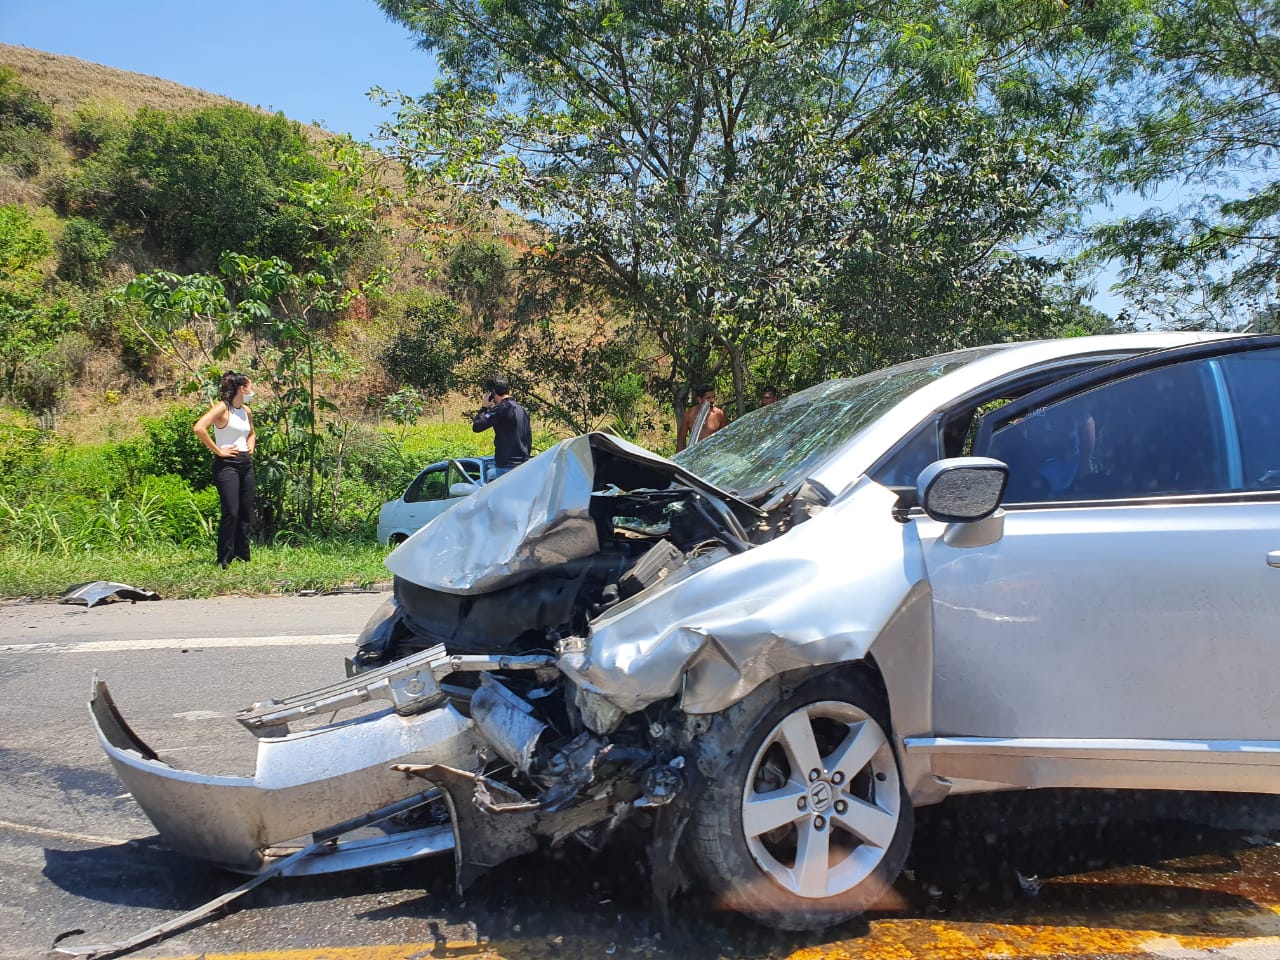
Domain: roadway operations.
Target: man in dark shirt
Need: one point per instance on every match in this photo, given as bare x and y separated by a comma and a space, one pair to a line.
512, 438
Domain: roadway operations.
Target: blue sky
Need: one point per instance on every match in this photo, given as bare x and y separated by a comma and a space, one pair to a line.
313, 59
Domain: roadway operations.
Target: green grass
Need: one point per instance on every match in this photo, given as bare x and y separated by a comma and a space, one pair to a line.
174, 571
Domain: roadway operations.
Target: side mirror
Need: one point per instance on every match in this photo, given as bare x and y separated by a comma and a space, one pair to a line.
462, 489
962, 489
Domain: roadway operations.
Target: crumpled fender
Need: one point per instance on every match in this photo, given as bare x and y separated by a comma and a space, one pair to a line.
818, 595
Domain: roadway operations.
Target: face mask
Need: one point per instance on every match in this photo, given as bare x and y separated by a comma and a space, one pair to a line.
248, 395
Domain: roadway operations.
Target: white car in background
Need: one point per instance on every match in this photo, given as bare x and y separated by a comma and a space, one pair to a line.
431, 493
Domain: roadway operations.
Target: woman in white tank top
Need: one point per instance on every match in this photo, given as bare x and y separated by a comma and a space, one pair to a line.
232, 448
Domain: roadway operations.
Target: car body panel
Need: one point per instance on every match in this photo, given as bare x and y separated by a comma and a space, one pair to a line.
1049, 608
303, 781
783, 605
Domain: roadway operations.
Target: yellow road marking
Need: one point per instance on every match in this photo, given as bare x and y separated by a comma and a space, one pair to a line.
911, 939
887, 940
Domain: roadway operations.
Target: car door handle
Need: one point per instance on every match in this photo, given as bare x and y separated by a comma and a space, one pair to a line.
1273, 558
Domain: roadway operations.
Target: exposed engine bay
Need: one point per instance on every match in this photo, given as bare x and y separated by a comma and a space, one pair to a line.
560, 761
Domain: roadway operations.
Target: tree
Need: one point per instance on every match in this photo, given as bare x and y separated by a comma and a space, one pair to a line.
1200, 117
433, 343
710, 166
31, 323
228, 178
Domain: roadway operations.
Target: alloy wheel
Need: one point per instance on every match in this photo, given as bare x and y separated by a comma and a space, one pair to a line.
822, 800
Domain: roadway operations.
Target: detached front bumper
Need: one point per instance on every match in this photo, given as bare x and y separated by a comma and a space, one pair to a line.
303, 782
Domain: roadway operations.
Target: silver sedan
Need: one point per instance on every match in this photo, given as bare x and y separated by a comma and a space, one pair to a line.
1026, 565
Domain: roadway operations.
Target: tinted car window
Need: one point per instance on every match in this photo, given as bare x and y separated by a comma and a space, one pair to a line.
1154, 433
1251, 380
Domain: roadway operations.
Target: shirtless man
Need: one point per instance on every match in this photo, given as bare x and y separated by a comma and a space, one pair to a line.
715, 418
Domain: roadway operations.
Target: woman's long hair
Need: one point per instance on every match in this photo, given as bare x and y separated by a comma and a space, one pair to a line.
230, 383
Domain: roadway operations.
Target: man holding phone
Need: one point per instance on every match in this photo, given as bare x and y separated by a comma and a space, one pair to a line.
512, 437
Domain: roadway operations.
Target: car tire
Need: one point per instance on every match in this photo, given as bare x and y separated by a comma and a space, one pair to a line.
397, 538
817, 780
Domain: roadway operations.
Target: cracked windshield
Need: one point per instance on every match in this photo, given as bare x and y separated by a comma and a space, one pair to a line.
779, 444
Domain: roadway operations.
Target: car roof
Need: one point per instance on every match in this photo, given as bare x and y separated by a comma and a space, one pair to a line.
847, 464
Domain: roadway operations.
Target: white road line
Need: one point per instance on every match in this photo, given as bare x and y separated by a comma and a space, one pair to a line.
182, 643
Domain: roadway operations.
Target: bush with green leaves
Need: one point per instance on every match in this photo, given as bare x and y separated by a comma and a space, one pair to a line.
432, 343
31, 321
26, 122
25, 453
480, 275
172, 448
41, 378
83, 250
96, 125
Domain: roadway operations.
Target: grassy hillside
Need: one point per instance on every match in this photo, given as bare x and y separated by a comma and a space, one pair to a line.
65, 83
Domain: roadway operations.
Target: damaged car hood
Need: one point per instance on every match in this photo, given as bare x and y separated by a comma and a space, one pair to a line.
532, 518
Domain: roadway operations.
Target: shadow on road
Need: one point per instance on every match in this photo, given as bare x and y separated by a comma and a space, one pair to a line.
140, 873
1047, 858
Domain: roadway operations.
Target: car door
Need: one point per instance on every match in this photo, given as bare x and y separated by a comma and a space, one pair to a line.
426, 497
1130, 600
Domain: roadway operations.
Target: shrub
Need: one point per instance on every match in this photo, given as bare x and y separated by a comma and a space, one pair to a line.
179, 514
96, 125
24, 455
83, 249
431, 342
25, 123
20, 106
173, 449
480, 276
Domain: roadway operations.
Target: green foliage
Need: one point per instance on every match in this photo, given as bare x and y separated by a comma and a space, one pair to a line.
222, 178
40, 379
580, 372
20, 106
25, 450
1199, 117
34, 349
172, 448
25, 125
185, 319
23, 247
405, 406
720, 172
96, 126
431, 345
480, 276
83, 250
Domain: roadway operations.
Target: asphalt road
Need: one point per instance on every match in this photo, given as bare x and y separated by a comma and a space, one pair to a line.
1041, 874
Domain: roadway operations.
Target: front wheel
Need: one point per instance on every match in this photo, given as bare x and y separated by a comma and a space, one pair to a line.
810, 823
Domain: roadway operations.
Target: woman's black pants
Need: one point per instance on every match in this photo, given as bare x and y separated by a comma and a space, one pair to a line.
234, 479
